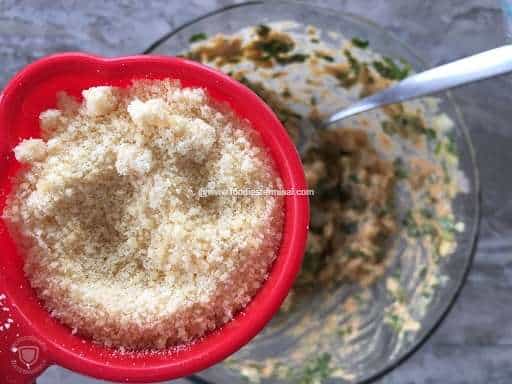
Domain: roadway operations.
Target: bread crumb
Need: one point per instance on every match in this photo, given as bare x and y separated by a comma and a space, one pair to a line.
66, 103
99, 100
133, 160
117, 242
194, 137
30, 151
49, 119
149, 113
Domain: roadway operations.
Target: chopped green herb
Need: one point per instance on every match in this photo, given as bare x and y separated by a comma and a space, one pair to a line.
348, 76
430, 133
423, 272
427, 213
342, 76
312, 101
370, 79
410, 121
416, 230
448, 224
406, 124
428, 229
318, 229
438, 148
324, 56
400, 170
311, 265
349, 227
358, 297
388, 127
325, 190
295, 58
355, 66
446, 173
395, 322
286, 93
345, 331
249, 84
285, 114
382, 211
389, 69
315, 41
358, 203
397, 273
450, 145
360, 43
274, 47
399, 295
197, 37
317, 370
382, 237
357, 254
380, 254
263, 30
353, 177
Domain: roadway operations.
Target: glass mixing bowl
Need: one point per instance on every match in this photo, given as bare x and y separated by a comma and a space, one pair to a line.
376, 350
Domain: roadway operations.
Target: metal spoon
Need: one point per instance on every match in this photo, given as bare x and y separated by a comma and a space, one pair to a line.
481, 66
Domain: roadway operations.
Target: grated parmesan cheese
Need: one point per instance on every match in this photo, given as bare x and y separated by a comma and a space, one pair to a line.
118, 243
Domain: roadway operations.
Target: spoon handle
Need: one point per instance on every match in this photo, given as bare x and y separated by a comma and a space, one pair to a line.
481, 66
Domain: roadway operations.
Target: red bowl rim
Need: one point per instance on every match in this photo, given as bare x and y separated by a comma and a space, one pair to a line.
246, 324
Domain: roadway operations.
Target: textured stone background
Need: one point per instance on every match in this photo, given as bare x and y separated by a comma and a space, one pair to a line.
474, 344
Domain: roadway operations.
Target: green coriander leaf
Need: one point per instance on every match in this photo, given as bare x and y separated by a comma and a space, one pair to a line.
360, 43
263, 30
197, 37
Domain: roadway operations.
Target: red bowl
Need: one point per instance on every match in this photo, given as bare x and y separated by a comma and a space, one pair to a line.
30, 339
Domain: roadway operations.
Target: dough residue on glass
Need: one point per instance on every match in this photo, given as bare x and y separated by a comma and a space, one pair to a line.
381, 217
